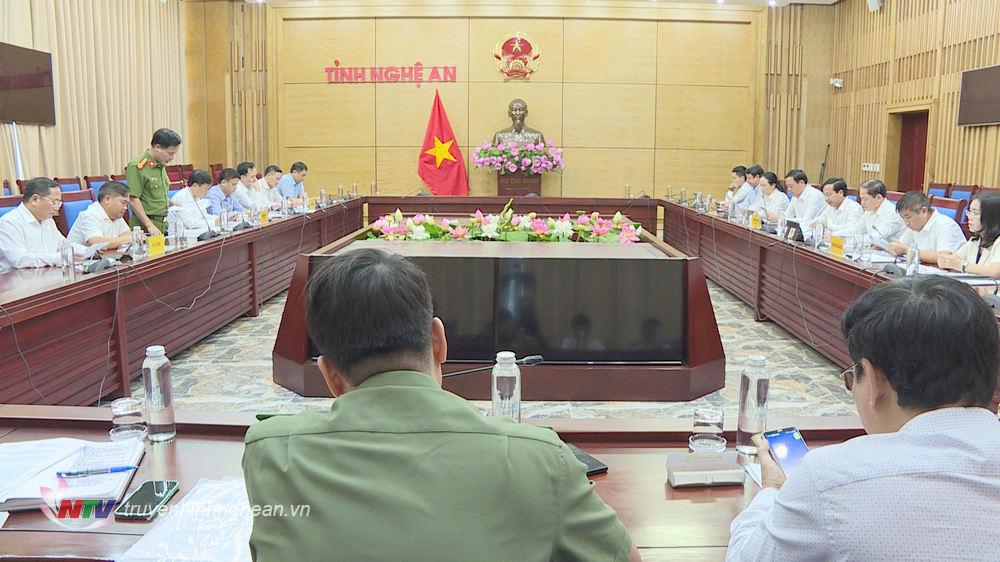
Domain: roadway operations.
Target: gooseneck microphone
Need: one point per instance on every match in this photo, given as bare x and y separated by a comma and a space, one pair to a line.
526, 361
208, 234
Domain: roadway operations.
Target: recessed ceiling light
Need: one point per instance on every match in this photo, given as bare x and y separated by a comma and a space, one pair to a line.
772, 3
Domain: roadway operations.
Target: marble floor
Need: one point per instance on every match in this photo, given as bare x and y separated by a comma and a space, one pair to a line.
231, 371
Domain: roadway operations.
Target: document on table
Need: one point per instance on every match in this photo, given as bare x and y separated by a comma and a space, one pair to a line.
753, 470
31, 465
193, 530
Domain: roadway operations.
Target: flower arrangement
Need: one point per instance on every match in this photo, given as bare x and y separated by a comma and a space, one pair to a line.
510, 158
510, 227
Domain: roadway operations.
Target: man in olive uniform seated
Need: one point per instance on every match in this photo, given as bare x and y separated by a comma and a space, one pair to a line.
400, 469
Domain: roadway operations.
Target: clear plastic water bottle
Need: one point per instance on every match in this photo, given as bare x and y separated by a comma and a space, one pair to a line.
159, 395
224, 220
321, 202
782, 225
506, 387
284, 206
136, 249
913, 258
181, 237
68, 261
340, 192
754, 383
698, 203
684, 197
819, 235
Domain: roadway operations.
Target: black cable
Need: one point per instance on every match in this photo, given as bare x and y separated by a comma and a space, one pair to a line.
114, 323
20, 353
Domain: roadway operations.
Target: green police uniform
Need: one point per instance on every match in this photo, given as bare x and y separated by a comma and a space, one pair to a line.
148, 181
400, 469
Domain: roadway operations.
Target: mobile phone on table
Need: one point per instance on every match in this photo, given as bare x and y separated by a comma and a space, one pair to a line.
145, 502
787, 447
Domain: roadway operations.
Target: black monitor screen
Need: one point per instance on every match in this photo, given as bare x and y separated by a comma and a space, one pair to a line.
592, 311
462, 290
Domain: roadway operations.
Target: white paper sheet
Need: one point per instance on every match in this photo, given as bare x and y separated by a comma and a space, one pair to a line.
753, 470
212, 522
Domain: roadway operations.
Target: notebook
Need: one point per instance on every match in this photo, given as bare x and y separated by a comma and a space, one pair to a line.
28, 466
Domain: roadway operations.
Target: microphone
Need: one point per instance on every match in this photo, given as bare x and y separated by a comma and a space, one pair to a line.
208, 234
526, 361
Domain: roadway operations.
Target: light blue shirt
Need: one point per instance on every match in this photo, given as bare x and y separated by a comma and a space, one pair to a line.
930, 491
288, 187
219, 201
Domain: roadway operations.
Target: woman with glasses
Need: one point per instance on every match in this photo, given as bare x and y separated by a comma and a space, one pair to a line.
28, 235
980, 255
926, 360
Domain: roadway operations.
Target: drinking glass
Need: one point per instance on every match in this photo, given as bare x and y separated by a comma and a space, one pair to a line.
708, 419
706, 443
126, 420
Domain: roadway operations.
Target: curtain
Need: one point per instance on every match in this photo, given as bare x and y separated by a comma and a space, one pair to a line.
117, 70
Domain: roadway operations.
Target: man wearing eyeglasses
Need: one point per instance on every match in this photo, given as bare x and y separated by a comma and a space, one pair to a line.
28, 235
924, 484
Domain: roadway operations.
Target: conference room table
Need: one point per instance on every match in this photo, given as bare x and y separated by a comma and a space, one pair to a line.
64, 343
665, 523
803, 290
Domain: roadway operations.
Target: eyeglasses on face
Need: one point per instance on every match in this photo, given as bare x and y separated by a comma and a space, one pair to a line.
56, 202
850, 374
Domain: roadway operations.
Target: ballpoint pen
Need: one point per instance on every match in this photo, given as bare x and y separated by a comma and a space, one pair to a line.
93, 471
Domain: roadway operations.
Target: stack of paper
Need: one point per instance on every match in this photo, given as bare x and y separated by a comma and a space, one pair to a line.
28, 466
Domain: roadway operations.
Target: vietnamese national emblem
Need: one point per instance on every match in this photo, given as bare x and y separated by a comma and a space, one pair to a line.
517, 55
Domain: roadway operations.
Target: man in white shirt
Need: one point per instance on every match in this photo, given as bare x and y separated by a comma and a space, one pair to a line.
842, 216
881, 222
102, 221
28, 235
754, 195
924, 484
931, 230
248, 175
807, 202
190, 205
264, 192
737, 179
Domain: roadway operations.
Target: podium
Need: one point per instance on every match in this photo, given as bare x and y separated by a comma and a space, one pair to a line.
518, 184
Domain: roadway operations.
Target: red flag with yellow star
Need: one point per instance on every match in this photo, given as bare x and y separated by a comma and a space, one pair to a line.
441, 164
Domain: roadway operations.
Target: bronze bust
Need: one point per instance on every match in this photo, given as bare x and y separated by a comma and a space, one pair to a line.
518, 131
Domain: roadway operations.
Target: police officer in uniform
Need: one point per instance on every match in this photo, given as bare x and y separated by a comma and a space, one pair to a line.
148, 183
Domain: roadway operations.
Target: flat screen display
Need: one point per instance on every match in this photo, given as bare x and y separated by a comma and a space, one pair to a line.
592, 311
979, 103
575, 311
26, 92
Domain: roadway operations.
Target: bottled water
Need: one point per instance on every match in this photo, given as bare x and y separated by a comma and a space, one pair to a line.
754, 383
684, 197
136, 250
506, 387
159, 394
913, 258
698, 202
321, 201
68, 261
782, 225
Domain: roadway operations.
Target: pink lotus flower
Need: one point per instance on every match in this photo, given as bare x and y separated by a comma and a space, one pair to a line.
515, 220
583, 219
540, 226
445, 225
459, 232
419, 219
628, 235
381, 225
602, 227
478, 218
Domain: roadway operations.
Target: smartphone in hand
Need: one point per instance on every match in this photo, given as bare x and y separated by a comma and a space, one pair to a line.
787, 447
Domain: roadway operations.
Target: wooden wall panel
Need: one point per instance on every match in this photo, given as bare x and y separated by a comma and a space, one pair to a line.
906, 57
610, 88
